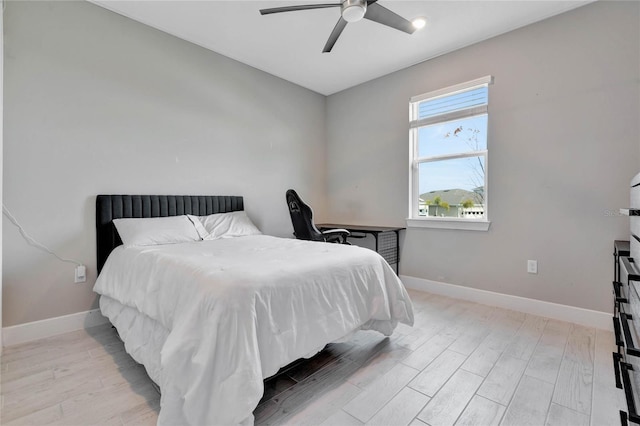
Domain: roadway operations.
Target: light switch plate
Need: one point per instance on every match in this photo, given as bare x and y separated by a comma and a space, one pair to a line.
81, 274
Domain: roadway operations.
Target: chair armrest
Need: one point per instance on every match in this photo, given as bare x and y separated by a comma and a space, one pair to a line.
336, 232
336, 236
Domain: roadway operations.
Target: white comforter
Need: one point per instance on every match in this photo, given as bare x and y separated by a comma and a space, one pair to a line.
239, 309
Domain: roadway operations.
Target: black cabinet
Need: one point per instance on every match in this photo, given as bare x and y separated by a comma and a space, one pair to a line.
626, 324
620, 249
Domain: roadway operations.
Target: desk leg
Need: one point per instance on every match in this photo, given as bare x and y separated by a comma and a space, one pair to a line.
375, 236
397, 252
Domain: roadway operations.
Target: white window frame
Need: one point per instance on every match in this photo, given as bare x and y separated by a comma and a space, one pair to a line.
414, 219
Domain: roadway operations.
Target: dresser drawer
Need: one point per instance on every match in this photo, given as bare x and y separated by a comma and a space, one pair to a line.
627, 336
627, 312
629, 374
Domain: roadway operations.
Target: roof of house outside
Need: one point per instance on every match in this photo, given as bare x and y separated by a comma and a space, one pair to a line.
452, 196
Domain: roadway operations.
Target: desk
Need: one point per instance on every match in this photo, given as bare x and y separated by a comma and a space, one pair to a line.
387, 238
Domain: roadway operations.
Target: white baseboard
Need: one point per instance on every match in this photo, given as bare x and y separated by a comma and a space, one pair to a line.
50, 327
586, 317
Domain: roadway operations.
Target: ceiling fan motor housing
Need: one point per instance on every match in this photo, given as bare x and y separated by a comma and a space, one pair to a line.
353, 10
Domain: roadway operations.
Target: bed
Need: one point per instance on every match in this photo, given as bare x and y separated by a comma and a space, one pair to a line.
211, 319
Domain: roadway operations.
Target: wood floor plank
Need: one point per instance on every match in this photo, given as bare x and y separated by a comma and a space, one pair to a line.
46, 361
504, 326
367, 404
403, 329
276, 385
547, 356
266, 413
39, 396
481, 411
562, 327
83, 407
367, 347
148, 418
47, 415
481, 361
526, 339
419, 298
581, 346
437, 373
482, 313
574, 386
470, 339
326, 357
425, 318
562, 416
319, 408
341, 418
475, 329
129, 375
379, 364
502, 381
530, 403
420, 335
607, 399
17, 381
293, 401
445, 407
95, 366
429, 351
73, 341
143, 414
401, 410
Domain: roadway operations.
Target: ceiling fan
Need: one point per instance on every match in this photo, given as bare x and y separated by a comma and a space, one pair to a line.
352, 11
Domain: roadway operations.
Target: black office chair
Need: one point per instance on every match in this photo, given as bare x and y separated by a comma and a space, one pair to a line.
303, 227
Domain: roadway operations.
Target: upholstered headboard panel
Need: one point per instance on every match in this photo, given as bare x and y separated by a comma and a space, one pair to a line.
109, 207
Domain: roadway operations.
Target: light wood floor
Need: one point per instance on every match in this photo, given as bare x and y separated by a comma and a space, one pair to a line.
462, 363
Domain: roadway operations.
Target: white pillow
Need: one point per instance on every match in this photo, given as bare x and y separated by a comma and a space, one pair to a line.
228, 225
198, 225
156, 230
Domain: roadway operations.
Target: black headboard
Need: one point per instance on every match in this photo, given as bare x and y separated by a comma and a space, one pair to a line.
109, 207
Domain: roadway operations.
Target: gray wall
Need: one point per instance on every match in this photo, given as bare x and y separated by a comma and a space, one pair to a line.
563, 140
1, 150
97, 103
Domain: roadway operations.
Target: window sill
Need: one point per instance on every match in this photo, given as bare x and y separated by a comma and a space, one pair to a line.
449, 223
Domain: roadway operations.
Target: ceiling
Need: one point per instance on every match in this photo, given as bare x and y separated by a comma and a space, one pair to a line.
289, 45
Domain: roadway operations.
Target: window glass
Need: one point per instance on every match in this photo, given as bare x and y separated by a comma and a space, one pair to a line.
454, 102
465, 135
449, 152
452, 188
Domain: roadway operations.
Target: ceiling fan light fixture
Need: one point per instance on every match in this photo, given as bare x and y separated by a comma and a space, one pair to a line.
353, 10
419, 23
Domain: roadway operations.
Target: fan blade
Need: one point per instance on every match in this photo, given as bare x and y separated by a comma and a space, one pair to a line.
337, 30
384, 16
294, 8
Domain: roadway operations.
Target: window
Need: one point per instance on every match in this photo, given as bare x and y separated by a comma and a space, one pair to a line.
448, 134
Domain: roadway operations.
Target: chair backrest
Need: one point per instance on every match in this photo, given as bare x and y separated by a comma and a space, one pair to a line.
302, 218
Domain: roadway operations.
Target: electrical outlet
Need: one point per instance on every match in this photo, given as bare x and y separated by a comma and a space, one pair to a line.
532, 266
81, 274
